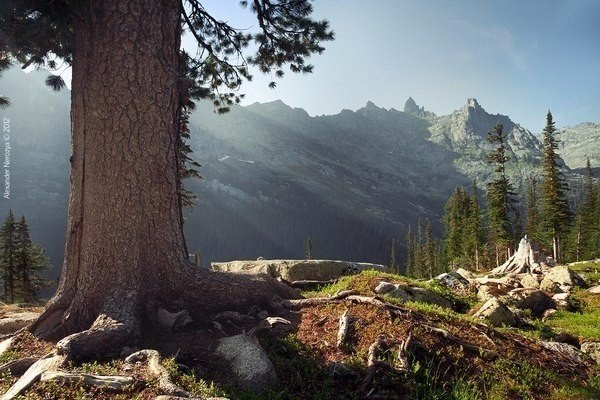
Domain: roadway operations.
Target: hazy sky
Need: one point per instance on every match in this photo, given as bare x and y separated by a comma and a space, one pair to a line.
517, 57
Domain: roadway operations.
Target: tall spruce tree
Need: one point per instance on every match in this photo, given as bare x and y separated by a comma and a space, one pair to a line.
500, 197
475, 239
532, 209
455, 223
308, 249
394, 266
429, 252
8, 260
585, 233
124, 228
30, 261
409, 264
555, 214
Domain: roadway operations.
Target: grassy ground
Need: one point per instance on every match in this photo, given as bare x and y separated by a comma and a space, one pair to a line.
311, 366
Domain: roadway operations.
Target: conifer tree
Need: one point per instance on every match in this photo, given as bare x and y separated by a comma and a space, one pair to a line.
30, 261
418, 269
132, 224
8, 260
410, 253
585, 230
555, 214
475, 240
429, 252
455, 218
532, 209
308, 250
500, 197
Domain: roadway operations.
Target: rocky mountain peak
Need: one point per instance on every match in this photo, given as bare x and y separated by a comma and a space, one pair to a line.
411, 107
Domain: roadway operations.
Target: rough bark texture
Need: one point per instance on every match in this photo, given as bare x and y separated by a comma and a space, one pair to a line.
125, 253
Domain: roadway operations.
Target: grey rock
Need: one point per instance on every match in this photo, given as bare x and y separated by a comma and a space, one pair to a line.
408, 293
549, 313
565, 276
464, 273
496, 313
13, 321
548, 285
594, 289
384, 287
298, 270
561, 299
454, 281
248, 361
530, 281
537, 302
565, 349
592, 349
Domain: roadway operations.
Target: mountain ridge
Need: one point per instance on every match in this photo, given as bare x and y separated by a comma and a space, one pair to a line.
274, 175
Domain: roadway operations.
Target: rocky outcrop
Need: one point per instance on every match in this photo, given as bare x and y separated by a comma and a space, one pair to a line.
298, 270
564, 277
497, 313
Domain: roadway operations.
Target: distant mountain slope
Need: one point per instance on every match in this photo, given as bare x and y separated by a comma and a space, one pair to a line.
273, 175
580, 142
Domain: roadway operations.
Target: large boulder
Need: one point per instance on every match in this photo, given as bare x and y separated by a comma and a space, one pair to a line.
564, 277
298, 270
496, 313
454, 281
248, 361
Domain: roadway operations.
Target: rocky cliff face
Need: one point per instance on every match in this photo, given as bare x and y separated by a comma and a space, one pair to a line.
579, 143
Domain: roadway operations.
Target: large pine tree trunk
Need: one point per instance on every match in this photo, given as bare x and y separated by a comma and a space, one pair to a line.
125, 253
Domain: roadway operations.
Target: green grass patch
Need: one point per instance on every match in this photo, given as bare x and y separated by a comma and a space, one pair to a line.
582, 318
590, 271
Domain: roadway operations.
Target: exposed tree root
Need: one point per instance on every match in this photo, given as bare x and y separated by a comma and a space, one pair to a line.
157, 371
461, 342
112, 383
344, 325
315, 301
49, 363
377, 351
18, 367
267, 323
105, 338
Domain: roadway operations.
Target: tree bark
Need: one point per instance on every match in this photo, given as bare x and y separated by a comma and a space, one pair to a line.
125, 252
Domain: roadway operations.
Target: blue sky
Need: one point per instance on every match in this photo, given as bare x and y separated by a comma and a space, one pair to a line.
517, 57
